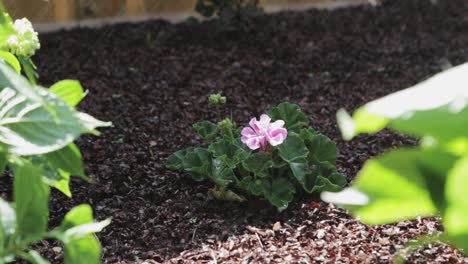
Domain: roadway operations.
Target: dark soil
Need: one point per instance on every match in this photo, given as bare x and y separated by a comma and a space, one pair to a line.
151, 80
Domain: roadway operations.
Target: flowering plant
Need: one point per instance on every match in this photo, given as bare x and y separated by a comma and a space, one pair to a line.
37, 129
274, 158
18, 43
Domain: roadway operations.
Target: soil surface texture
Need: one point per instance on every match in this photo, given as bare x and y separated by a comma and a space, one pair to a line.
152, 79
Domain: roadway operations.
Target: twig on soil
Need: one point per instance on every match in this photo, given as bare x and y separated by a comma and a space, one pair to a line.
259, 240
194, 233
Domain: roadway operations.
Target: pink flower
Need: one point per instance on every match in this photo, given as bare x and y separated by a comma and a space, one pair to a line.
262, 131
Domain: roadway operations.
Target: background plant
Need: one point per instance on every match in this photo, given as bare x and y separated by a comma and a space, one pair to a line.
304, 162
37, 130
231, 14
425, 180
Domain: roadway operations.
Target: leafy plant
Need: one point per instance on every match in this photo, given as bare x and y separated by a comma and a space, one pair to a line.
18, 42
409, 182
37, 130
271, 160
232, 14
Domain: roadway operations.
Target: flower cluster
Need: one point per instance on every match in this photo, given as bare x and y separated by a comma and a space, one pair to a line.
262, 131
25, 41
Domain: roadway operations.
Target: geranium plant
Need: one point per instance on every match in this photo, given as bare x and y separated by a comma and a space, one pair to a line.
273, 157
425, 180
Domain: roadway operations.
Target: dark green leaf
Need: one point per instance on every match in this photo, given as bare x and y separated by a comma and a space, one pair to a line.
322, 149
281, 193
293, 148
291, 114
259, 164
198, 163
221, 174
31, 198
333, 184
230, 153
206, 129
307, 134
175, 161
304, 175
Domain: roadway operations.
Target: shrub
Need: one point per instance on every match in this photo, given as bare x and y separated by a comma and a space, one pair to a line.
425, 180
272, 160
232, 14
37, 130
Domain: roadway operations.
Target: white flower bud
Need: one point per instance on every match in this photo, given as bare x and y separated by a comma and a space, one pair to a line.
25, 41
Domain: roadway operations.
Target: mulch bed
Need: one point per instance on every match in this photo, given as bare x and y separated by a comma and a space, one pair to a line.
151, 80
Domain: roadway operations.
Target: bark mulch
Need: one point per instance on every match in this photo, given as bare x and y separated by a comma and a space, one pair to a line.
151, 80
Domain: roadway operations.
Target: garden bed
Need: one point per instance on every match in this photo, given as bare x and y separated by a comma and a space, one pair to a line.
152, 79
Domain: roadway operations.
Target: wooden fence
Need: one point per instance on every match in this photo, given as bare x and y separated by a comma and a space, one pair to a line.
67, 10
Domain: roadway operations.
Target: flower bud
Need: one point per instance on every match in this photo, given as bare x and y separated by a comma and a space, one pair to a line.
25, 41
226, 124
217, 99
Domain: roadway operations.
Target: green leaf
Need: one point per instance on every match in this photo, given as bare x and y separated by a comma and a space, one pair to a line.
230, 153
86, 250
206, 129
83, 246
280, 193
67, 159
69, 91
34, 121
175, 161
37, 258
322, 149
57, 179
3, 163
455, 215
293, 148
304, 175
79, 215
198, 163
29, 69
307, 134
7, 223
50, 175
221, 174
434, 108
259, 164
291, 114
11, 60
6, 26
334, 183
395, 187
31, 198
